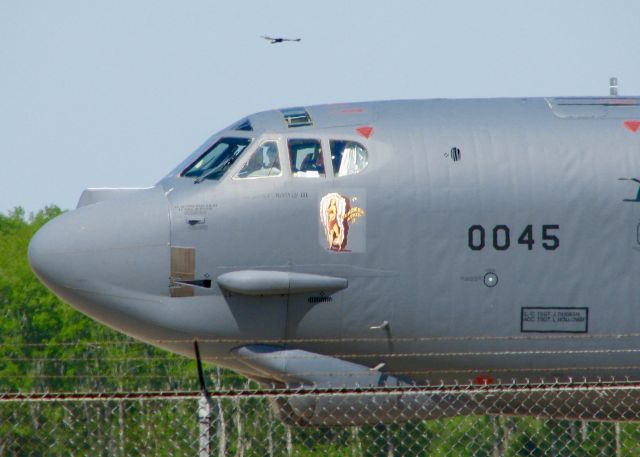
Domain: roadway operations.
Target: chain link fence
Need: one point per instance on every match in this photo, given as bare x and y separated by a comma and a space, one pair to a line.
246, 423
125, 398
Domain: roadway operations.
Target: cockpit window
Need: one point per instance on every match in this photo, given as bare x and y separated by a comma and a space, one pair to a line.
348, 157
306, 158
264, 162
215, 161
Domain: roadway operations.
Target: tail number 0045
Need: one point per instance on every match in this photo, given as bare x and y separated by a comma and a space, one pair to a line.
500, 237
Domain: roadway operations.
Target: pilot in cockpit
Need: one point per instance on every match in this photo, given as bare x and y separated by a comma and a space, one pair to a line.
312, 165
264, 162
272, 162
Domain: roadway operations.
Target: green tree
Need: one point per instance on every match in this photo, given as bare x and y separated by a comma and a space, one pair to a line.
46, 345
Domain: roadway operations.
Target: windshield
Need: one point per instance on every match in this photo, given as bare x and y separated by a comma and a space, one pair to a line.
215, 161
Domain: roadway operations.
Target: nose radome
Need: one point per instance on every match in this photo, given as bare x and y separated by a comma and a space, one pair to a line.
42, 248
121, 243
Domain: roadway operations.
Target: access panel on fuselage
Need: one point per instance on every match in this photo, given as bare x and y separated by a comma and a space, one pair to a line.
227, 229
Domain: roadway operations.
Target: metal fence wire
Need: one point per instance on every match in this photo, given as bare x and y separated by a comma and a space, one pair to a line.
125, 398
246, 423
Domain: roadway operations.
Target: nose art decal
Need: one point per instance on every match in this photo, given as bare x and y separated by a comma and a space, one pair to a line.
183, 268
336, 213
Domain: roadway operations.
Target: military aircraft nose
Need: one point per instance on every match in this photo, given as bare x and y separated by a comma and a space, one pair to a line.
42, 247
106, 248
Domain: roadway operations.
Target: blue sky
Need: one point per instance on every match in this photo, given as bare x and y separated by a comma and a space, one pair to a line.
115, 94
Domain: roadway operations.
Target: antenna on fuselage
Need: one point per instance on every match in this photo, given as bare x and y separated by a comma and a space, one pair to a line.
613, 86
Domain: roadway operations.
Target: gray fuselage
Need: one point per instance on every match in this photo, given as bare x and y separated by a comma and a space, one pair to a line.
489, 239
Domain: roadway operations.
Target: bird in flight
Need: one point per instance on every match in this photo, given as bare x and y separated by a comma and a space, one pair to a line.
275, 40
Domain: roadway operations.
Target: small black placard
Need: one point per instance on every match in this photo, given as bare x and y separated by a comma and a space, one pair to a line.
554, 320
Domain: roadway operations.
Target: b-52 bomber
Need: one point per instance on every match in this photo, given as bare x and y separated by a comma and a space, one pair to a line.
380, 244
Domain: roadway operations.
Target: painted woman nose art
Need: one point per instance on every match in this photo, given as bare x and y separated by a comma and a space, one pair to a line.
336, 214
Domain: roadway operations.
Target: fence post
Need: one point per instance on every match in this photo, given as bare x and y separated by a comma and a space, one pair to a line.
204, 423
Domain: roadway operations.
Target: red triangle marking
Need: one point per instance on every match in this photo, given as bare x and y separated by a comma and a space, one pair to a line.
632, 126
365, 131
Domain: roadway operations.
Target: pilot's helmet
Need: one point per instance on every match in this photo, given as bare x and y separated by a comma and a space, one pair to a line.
271, 155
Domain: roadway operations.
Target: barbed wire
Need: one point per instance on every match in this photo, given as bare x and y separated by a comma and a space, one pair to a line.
381, 339
123, 368
345, 372
289, 355
287, 391
154, 359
